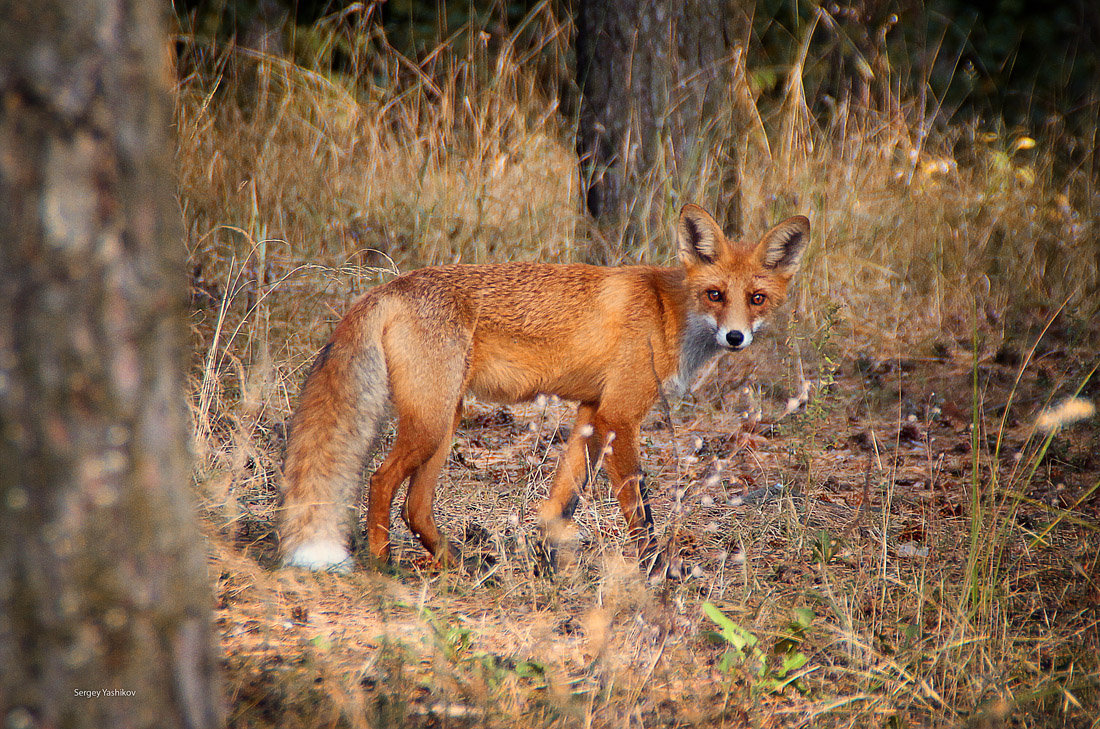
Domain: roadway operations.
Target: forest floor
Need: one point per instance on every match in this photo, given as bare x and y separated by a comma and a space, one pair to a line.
844, 564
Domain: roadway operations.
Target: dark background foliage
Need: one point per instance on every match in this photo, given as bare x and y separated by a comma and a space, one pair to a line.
1027, 63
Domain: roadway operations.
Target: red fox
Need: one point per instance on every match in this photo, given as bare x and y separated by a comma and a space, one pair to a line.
607, 337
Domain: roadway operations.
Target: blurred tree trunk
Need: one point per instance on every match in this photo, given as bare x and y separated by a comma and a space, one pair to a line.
103, 583
656, 79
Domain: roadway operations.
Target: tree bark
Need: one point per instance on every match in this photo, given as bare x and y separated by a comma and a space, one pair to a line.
105, 609
655, 80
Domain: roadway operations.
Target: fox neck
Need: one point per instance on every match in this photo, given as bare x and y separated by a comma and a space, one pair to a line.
694, 332
697, 346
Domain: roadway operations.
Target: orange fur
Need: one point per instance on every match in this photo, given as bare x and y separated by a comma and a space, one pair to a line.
608, 338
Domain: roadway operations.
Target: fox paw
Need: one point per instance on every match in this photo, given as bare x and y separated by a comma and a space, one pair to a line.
321, 555
544, 556
659, 568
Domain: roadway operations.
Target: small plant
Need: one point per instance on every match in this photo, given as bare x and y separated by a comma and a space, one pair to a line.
771, 674
824, 344
495, 668
457, 642
816, 400
824, 548
453, 640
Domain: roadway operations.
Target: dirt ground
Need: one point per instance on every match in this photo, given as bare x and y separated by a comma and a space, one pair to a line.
858, 506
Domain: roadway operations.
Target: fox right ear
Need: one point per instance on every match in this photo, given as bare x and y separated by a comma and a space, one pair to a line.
698, 235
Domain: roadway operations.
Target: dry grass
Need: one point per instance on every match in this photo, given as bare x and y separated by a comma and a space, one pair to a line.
945, 545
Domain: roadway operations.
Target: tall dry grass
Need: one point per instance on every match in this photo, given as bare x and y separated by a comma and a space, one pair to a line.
302, 186
467, 156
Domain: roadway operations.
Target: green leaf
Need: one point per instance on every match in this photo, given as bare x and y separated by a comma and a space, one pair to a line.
530, 669
717, 615
791, 662
712, 636
733, 633
803, 617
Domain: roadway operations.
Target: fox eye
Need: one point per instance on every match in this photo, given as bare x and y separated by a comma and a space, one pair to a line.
758, 299
714, 294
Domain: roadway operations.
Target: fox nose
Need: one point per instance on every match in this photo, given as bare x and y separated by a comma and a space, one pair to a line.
735, 338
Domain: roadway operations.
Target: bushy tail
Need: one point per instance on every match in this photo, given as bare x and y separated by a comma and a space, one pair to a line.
341, 410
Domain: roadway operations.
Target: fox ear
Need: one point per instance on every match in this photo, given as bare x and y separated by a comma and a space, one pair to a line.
781, 247
698, 235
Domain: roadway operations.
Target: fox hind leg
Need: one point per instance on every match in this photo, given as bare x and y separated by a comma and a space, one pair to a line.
414, 446
418, 513
427, 376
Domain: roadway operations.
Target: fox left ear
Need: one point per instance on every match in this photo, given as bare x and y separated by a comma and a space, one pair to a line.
698, 235
781, 247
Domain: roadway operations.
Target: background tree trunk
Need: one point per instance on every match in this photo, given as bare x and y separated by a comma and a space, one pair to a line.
655, 80
103, 584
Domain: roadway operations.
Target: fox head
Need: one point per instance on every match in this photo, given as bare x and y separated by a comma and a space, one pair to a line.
732, 286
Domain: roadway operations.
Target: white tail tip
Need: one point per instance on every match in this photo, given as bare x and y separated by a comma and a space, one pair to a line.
320, 556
